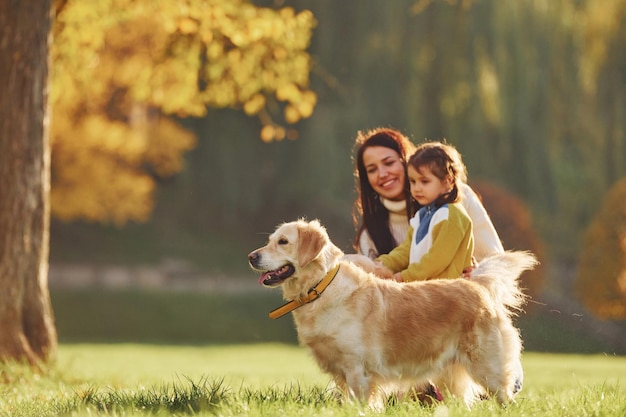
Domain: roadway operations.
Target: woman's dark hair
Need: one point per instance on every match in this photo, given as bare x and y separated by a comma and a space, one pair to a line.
368, 212
443, 161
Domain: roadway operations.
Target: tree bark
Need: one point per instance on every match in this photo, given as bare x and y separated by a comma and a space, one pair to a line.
27, 330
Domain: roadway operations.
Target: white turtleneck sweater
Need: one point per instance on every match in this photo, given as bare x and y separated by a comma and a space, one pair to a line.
486, 239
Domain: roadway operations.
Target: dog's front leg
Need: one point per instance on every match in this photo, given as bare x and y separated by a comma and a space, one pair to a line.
361, 387
358, 384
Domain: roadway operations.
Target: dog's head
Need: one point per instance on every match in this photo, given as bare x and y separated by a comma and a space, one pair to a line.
298, 254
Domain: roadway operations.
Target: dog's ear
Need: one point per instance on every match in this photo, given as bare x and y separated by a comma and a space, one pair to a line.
311, 241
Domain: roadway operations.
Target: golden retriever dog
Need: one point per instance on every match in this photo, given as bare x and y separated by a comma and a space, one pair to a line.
371, 334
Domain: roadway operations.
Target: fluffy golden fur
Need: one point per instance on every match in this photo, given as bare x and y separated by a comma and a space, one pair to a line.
373, 335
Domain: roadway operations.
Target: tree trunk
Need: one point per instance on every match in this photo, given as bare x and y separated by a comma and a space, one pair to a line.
27, 330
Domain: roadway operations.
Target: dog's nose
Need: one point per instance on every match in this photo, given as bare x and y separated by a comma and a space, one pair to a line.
253, 257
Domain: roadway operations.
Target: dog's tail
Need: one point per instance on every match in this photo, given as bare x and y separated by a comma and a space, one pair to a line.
500, 274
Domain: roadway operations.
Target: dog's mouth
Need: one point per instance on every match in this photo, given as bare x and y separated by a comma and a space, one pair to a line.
277, 276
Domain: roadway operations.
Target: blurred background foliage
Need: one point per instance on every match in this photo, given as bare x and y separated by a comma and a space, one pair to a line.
123, 71
601, 282
155, 155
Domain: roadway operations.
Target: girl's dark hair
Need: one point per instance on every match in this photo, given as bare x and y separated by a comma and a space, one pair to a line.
368, 212
443, 161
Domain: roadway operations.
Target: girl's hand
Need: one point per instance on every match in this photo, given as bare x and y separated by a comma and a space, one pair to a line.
397, 277
467, 272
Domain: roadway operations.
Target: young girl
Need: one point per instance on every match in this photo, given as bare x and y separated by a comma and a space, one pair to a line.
439, 243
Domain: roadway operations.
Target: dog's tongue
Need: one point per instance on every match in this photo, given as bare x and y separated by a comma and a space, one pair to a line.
264, 276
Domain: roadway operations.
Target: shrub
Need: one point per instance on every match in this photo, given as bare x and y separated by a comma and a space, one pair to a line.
513, 221
601, 281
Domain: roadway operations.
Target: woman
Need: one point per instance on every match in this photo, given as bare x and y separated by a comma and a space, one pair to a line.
381, 212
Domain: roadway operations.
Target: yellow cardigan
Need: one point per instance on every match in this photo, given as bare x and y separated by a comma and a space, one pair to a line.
443, 253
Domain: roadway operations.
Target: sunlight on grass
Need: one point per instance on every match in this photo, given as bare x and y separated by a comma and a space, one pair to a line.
548, 372
271, 380
128, 365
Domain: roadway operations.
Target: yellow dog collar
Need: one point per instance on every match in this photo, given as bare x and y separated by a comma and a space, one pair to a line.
313, 294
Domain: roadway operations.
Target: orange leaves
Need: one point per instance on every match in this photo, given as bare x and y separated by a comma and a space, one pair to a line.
187, 25
163, 57
167, 143
95, 176
252, 53
254, 105
270, 132
100, 174
301, 103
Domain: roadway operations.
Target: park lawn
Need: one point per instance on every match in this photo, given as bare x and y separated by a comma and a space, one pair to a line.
254, 365
269, 380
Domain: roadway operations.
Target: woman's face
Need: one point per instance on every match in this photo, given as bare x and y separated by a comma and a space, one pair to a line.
385, 172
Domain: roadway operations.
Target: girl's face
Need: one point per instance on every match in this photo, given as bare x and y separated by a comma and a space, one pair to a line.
425, 186
385, 172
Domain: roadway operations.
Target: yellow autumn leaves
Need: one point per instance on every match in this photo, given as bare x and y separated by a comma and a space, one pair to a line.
121, 67
300, 106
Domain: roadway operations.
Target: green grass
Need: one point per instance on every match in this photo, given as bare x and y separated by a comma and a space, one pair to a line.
156, 353
271, 380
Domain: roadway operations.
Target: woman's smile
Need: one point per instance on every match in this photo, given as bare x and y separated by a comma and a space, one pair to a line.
388, 183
